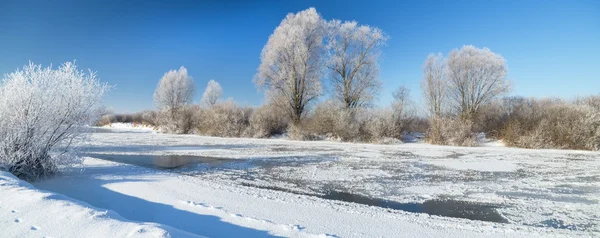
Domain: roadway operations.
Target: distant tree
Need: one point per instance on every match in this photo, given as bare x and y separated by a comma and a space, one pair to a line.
43, 111
353, 63
291, 62
476, 77
212, 93
433, 84
402, 111
174, 91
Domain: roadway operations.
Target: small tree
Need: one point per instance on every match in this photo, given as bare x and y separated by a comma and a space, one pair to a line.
174, 92
43, 111
353, 62
212, 93
433, 84
402, 113
291, 62
476, 77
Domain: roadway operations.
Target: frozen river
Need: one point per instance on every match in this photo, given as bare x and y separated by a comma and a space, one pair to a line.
540, 188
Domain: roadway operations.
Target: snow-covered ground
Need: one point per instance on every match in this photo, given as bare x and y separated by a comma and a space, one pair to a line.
276, 187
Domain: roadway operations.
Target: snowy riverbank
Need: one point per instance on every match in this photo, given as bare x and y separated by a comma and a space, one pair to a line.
238, 192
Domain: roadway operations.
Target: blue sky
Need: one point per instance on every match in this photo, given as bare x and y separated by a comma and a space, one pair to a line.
552, 47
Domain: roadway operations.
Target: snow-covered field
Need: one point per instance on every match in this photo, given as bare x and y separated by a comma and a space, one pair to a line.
276, 187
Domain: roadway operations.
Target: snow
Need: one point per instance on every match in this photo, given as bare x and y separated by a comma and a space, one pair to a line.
28, 212
531, 187
489, 165
129, 126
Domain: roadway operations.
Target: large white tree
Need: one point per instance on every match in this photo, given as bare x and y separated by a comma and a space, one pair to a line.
174, 91
476, 77
353, 63
433, 84
42, 112
212, 93
291, 61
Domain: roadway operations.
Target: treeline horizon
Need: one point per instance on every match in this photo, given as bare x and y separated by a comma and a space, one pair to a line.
463, 92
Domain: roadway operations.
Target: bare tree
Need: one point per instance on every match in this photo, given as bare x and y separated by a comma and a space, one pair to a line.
291, 61
174, 90
402, 111
433, 84
401, 101
476, 77
353, 62
212, 93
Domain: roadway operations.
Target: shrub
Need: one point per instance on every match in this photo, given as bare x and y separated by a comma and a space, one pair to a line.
181, 121
225, 119
450, 131
334, 120
267, 120
106, 120
356, 124
44, 111
556, 124
149, 117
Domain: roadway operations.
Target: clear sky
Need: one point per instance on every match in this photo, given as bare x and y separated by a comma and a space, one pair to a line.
552, 47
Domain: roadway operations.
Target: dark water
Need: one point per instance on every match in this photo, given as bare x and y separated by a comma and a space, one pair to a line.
164, 161
446, 208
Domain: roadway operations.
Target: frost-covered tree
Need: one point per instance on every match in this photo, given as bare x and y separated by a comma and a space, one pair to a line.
42, 112
291, 61
212, 93
174, 91
476, 77
401, 103
353, 62
433, 84
402, 110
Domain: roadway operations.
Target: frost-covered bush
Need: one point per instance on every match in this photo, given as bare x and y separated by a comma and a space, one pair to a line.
300, 131
267, 120
334, 120
382, 124
555, 124
180, 121
106, 119
450, 131
43, 111
135, 118
225, 119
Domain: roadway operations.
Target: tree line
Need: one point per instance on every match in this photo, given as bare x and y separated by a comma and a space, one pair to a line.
464, 95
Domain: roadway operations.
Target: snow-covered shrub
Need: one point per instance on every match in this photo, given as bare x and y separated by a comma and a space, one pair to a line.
267, 120
43, 111
556, 124
149, 117
334, 120
300, 131
225, 119
106, 119
379, 125
180, 121
451, 131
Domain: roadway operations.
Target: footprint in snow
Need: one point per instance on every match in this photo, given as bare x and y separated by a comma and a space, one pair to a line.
14, 211
17, 220
34, 228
